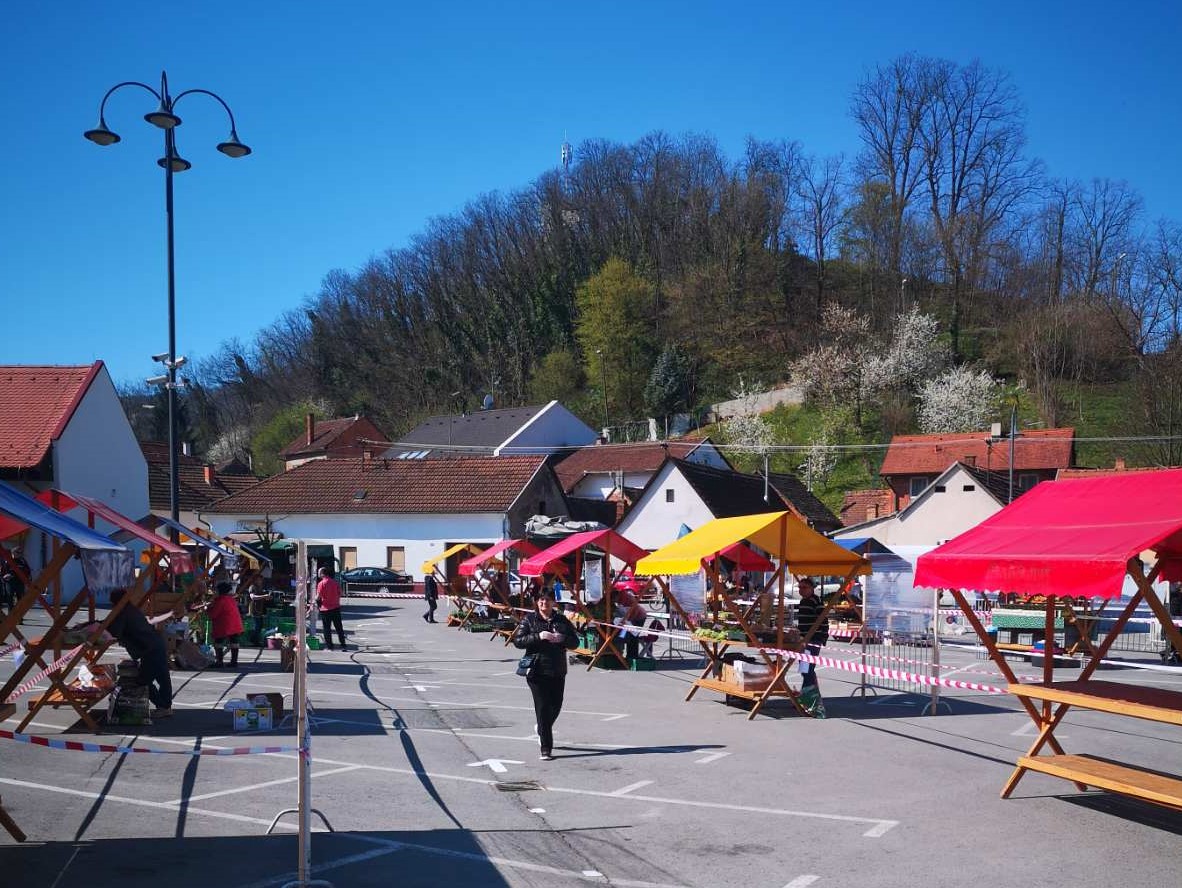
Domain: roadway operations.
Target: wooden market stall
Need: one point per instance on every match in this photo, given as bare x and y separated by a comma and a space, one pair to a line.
452, 586
596, 620
688, 572
105, 565
1065, 540
484, 587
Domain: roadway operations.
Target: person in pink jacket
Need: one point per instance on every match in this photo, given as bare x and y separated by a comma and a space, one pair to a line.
328, 601
227, 624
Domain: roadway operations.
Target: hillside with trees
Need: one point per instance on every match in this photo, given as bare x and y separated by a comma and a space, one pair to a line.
930, 279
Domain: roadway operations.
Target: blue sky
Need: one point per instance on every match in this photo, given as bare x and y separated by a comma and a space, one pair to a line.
369, 118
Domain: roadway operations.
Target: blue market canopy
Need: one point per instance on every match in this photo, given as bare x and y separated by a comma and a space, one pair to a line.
154, 522
105, 563
883, 559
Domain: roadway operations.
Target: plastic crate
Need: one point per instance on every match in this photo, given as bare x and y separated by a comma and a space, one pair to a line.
314, 643
642, 664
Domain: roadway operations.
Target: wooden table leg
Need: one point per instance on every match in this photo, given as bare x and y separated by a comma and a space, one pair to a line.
9, 824
713, 655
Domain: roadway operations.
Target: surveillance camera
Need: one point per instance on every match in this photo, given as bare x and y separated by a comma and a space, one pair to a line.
160, 358
179, 361
157, 380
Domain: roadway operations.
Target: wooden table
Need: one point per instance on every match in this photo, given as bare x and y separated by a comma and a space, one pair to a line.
777, 687
1152, 704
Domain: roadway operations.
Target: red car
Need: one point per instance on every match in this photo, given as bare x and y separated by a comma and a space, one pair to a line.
627, 581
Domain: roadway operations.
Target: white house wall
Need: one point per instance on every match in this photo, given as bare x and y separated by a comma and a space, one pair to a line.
654, 522
422, 536
600, 484
98, 456
551, 428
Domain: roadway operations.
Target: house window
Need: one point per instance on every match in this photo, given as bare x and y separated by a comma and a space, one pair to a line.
348, 557
969, 488
918, 483
940, 488
1027, 480
668, 494
396, 558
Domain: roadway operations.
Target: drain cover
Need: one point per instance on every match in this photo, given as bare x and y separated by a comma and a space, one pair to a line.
518, 786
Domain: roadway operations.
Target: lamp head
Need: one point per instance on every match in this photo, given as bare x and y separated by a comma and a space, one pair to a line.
163, 118
100, 135
232, 147
179, 164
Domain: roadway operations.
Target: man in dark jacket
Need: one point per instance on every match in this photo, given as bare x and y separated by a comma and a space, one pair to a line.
431, 593
143, 643
14, 573
548, 635
809, 619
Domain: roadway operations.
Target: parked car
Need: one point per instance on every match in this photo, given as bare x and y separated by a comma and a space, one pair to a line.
378, 579
628, 581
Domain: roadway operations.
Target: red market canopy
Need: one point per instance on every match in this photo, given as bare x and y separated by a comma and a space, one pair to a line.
1066, 538
746, 558
607, 540
179, 561
469, 567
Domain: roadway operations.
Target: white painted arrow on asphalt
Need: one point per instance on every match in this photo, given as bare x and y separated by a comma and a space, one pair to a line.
497, 765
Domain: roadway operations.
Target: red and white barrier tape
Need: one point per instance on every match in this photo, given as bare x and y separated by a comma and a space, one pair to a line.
383, 595
16, 645
81, 746
36, 679
883, 672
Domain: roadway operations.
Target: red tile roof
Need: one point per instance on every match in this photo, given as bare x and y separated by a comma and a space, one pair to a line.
932, 454
645, 456
866, 505
194, 492
327, 431
357, 486
1117, 469
36, 403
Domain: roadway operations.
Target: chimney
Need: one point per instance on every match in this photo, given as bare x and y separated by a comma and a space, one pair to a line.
970, 460
310, 427
209, 475
1119, 465
366, 458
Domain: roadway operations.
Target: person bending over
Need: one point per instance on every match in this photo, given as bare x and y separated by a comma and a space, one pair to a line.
144, 644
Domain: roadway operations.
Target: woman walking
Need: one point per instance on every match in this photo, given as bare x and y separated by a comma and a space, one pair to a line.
547, 635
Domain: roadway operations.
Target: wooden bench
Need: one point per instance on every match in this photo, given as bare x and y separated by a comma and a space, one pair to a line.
1133, 701
1112, 776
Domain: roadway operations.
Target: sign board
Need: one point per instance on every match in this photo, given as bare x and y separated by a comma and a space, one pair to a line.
690, 591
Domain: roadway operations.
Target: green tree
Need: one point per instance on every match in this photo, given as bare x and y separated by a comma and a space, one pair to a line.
559, 377
615, 330
283, 428
669, 385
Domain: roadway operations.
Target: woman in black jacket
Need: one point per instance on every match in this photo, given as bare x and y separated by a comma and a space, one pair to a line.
546, 634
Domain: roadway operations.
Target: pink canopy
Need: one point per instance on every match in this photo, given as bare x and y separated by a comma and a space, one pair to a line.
746, 558
469, 567
607, 540
179, 560
1066, 538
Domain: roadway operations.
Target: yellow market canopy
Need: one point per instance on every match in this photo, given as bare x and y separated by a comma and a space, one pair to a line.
781, 534
429, 564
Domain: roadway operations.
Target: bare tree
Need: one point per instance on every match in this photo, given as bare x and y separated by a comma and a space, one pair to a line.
823, 210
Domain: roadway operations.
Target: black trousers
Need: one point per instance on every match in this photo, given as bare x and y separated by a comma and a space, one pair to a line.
432, 603
809, 679
154, 673
547, 692
632, 641
328, 619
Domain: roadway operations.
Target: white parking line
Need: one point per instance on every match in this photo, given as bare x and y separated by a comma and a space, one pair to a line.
713, 757
802, 881
238, 789
639, 784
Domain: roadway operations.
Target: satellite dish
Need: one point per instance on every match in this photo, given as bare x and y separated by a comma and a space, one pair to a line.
487, 403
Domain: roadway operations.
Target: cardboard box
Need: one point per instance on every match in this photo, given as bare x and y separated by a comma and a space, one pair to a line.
257, 719
274, 700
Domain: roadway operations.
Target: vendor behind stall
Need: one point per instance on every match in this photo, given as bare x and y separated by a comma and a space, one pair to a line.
256, 608
143, 643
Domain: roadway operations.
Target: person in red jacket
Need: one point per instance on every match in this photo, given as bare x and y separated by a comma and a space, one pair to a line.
227, 624
328, 600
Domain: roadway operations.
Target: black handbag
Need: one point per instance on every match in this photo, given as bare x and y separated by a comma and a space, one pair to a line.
526, 664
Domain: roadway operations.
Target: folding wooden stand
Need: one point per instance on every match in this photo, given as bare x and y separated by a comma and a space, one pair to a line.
1151, 704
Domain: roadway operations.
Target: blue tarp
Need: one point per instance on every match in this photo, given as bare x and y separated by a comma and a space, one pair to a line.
157, 521
105, 564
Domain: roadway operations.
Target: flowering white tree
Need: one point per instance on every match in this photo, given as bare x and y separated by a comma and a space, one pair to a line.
960, 400
234, 443
820, 460
832, 372
914, 355
747, 430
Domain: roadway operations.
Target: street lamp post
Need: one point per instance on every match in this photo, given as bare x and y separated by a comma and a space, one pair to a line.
166, 119
603, 375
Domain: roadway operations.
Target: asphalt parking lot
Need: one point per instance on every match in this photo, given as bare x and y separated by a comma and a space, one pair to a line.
426, 767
